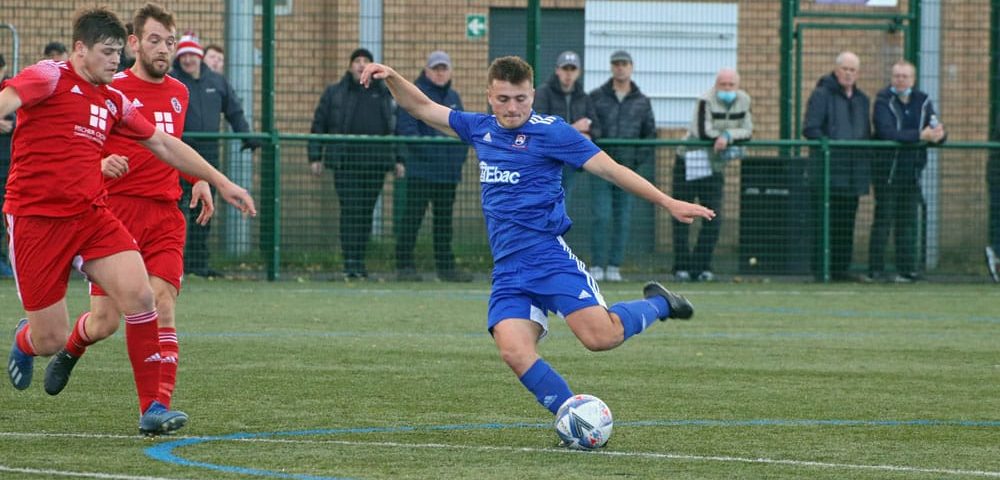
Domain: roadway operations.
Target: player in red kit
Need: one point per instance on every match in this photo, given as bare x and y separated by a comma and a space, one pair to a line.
143, 193
55, 210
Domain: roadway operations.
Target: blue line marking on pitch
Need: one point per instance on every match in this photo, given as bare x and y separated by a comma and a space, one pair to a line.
164, 452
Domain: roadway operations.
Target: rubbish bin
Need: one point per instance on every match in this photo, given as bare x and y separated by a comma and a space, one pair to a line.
775, 230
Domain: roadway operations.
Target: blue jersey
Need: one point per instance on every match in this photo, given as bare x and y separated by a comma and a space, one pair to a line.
520, 172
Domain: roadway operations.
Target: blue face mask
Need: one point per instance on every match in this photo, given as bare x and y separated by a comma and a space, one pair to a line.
726, 97
904, 93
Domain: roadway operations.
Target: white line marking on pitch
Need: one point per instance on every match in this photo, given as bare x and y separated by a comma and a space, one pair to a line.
63, 473
669, 456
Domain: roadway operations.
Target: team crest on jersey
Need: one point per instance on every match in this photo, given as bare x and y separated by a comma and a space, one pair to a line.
111, 106
174, 102
521, 141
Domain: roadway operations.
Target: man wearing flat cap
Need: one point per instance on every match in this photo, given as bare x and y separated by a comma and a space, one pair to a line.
622, 112
563, 95
358, 168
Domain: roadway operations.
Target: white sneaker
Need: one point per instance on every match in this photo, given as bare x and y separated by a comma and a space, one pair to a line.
597, 273
682, 276
706, 276
613, 274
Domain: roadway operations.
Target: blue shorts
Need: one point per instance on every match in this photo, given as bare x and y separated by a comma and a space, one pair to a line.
543, 278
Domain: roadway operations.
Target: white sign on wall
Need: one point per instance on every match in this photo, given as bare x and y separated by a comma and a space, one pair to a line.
677, 48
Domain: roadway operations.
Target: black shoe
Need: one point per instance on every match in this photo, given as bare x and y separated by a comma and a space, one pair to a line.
457, 276
409, 275
356, 275
206, 273
850, 278
58, 371
680, 307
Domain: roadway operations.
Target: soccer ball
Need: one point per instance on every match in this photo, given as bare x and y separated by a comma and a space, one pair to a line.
584, 422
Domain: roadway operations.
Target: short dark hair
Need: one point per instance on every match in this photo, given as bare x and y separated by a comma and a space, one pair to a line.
3, 61
216, 47
154, 12
95, 25
54, 47
510, 69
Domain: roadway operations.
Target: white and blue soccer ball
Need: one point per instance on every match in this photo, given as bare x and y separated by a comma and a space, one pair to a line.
584, 422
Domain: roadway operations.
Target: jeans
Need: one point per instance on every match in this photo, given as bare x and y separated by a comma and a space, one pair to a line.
612, 210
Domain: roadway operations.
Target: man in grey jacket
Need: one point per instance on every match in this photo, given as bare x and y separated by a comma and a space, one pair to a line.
723, 117
839, 110
622, 112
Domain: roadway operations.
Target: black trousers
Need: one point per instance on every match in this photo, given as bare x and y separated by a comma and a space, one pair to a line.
843, 213
357, 190
196, 249
896, 208
441, 197
708, 192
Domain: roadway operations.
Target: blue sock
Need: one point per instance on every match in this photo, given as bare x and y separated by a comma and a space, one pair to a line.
549, 388
637, 315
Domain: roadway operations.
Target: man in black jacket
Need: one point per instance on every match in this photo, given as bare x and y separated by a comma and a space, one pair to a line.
358, 168
839, 110
563, 95
622, 112
906, 115
211, 97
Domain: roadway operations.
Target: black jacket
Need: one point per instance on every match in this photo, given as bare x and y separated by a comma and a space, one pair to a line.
338, 112
211, 96
630, 118
550, 99
902, 123
831, 114
433, 162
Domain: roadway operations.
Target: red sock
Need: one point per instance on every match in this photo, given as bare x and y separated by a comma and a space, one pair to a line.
144, 353
78, 339
168, 364
23, 340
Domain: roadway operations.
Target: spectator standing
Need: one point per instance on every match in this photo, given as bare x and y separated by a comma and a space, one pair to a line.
358, 168
993, 183
433, 172
839, 110
722, 116
563, 95
903, 114
211, 97
215, 58
622, 112
55, 51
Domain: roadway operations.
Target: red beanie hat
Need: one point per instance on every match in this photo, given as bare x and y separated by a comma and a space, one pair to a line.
189, 44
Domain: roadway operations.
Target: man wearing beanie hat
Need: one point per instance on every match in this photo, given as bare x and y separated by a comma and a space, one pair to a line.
211, 97
358, 168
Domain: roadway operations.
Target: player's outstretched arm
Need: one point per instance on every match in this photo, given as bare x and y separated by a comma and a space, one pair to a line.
607, 168
179, 155
9, 101
409, 97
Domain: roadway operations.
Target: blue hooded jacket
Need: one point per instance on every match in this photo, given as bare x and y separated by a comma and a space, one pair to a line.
433, 162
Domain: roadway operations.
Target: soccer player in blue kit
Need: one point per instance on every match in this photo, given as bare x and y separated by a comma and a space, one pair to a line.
521, 156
